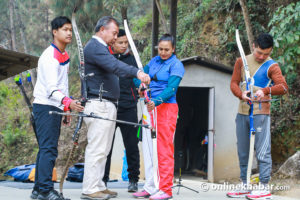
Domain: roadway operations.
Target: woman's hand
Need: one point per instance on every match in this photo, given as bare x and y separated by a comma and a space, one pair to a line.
150, 106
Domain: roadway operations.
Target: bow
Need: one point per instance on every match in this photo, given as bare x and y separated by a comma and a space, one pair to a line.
83, 101
132, 45
153, 112
249, 86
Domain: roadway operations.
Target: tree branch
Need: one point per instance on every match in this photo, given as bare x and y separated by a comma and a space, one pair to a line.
162, 17
247, 23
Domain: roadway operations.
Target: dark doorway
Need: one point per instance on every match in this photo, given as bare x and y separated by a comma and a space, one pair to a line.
191, 148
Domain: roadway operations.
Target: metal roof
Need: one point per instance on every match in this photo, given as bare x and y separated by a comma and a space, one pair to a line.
13, 63
207, 63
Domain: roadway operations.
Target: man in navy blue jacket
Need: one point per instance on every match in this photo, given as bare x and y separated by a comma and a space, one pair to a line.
106, 69
127, 110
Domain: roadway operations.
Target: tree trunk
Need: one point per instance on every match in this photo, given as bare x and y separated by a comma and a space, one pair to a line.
247, 23
12, 26
47, 24
155, 24
22, 27
173, 19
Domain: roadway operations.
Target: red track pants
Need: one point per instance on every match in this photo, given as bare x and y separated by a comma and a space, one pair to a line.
166, 125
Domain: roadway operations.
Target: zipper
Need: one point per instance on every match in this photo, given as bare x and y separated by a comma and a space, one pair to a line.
132, 94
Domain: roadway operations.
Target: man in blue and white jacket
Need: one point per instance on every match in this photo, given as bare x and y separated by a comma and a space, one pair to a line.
51, 94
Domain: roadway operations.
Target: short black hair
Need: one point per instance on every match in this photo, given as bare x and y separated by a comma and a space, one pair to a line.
121, 33
167, 37
264, 41
59, 22
104, 21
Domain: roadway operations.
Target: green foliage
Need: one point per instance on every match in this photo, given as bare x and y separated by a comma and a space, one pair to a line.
13, 120
185, 40
4, 91
139, 28
12, 135
141, 23
16, 135
285, 27
115, 6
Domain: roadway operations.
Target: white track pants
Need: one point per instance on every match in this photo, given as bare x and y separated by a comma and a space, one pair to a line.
148, 155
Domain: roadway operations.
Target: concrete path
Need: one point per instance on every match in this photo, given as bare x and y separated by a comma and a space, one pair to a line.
12, 191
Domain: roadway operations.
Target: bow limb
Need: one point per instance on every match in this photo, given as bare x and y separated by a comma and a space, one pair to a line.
84, 99
132, 45
152, 113
250, 83
243, 56
80, 56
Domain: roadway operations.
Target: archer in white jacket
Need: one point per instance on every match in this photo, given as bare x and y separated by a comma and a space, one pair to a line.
51, 94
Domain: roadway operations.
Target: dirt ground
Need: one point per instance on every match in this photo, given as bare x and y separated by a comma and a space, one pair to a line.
290, 187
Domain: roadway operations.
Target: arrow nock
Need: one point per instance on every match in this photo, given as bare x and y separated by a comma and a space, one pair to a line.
28, 77
18, 80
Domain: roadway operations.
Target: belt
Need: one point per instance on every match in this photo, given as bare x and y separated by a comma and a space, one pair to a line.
105, 99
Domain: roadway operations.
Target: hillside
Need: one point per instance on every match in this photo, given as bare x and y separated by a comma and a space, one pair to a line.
205, 28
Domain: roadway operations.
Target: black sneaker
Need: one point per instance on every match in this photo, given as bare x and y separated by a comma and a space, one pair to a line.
34, 194
52, 195
132, 187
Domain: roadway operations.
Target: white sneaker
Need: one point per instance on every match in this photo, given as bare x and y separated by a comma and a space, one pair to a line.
259, 194
240, 191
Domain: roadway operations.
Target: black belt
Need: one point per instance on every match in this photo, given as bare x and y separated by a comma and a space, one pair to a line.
110, 99
114, 101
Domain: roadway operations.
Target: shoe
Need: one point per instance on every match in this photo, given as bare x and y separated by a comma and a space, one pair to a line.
259, 194
141, 194
237, 194
132, 187
95, 196
111, 194
34, 194
160, 195
52, 195
240, 192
